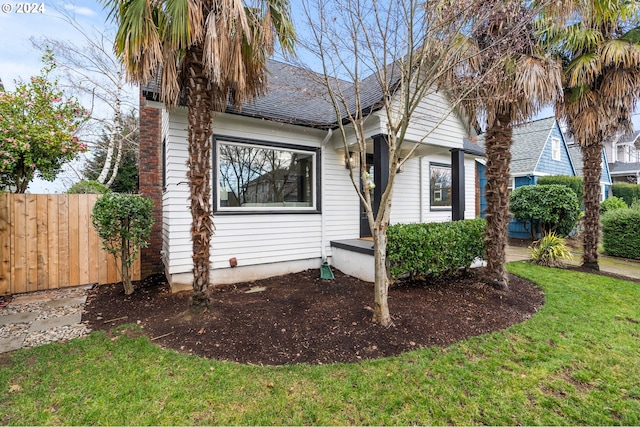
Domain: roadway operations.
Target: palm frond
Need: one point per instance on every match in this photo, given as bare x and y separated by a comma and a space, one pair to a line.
584, 69
619, 53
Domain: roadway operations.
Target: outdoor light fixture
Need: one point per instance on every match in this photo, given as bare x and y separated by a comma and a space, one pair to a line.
349, 160
400, 166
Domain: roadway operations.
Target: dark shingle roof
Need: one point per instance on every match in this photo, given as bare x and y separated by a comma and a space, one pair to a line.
298, 96
528, 141
471, 147
620, 168
576, 158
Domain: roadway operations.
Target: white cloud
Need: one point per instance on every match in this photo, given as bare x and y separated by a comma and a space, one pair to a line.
80, 10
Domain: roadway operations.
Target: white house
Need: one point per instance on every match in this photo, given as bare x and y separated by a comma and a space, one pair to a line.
282, 197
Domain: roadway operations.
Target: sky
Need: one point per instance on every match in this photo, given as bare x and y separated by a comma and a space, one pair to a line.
19, 59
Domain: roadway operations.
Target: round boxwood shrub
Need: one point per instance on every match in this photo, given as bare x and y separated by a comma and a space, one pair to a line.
546, 208
621, 233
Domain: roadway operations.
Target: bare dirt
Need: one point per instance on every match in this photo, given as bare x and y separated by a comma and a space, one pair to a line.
300, 318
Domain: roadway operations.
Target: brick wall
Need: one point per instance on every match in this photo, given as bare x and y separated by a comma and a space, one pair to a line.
150, 182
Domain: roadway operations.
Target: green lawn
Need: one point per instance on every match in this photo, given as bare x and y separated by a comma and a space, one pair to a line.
575, 362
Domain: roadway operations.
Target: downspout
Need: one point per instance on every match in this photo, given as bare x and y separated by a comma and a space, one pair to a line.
323, 250
420, 188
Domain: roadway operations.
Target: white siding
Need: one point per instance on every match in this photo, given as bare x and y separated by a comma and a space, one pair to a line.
432, 123
341, 205
405, 204
256, 238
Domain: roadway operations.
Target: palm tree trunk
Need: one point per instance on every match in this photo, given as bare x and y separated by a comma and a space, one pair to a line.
498, 145
200, 105
592, 161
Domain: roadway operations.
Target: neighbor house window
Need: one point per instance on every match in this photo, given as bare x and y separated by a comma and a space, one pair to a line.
264, 176
555, 148
440, 185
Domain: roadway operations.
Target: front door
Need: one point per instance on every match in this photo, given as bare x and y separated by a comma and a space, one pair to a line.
365, 230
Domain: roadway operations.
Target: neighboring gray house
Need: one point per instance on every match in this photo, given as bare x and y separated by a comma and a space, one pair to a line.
318, 215
624, 156
540, 149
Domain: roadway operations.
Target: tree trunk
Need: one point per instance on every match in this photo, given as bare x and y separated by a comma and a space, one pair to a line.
124, 267
497, 147
592, 166
200, 105
381, 282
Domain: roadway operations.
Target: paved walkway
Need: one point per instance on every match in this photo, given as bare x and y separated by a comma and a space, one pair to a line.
37, 318
624, 267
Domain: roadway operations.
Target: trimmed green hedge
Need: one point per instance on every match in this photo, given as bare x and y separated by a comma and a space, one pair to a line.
611, 204
621, 233
627, 192
434, 249
573, 182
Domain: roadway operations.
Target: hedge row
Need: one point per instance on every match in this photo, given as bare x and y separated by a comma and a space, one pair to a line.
434, 249
621, 233
627, 192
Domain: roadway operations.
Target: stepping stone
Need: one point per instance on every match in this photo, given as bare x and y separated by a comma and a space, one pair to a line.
12, 343
55, 322
66, 302
24, 317
26, 299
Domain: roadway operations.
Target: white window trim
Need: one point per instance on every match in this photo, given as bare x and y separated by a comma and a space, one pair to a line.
555, 149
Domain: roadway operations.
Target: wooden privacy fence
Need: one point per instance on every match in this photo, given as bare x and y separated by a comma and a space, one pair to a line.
47, 241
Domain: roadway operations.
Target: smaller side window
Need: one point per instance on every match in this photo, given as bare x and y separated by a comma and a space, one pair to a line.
555, 148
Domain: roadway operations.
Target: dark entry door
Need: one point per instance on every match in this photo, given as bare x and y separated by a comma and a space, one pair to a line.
365, 231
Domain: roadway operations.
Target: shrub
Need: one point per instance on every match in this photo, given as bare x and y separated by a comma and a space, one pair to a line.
87, 187
123, 222
628, 192
546, 208
434, 249
621, 233
612, 203
573, 182
550, 251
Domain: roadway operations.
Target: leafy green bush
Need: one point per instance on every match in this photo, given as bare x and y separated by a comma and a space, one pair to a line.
546, 208
573, 182
612, 203
434, 249
123, 222
87, 187
621, 233
628, 192
550, 251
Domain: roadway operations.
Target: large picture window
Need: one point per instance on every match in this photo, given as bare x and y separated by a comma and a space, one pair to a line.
264, 177
440, 185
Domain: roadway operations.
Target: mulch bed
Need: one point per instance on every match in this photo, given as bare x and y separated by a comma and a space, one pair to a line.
300, 318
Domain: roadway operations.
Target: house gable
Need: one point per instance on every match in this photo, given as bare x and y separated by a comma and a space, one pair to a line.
561, 164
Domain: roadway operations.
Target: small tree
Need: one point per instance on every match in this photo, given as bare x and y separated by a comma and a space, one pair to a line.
546, 208
573, 182
37, 130
124, 224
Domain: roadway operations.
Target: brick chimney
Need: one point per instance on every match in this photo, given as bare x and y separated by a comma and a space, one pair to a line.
150, 182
